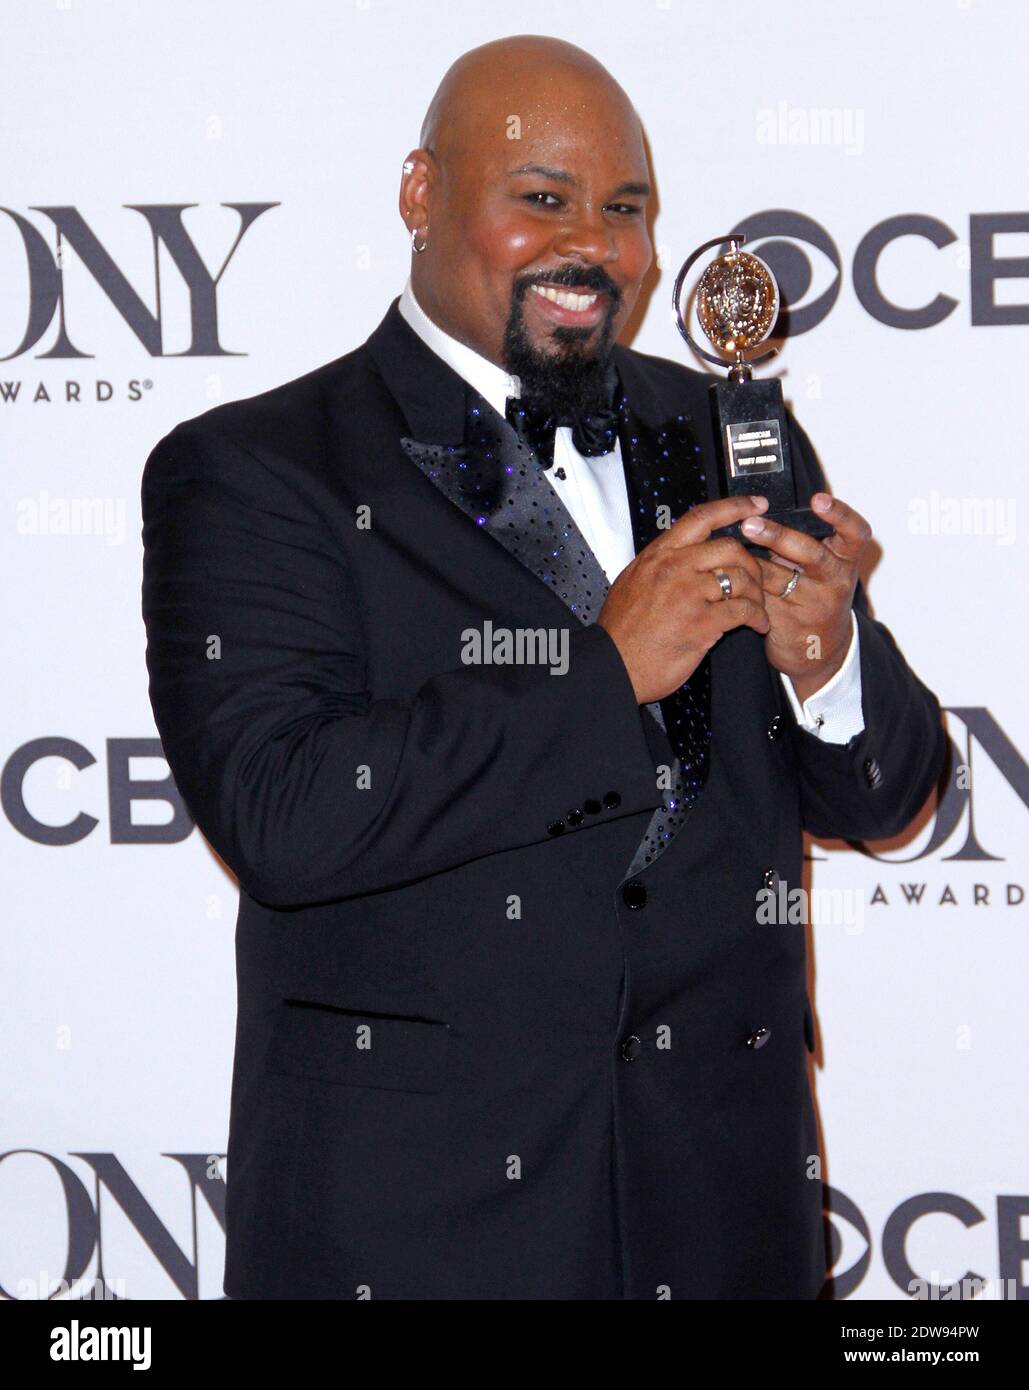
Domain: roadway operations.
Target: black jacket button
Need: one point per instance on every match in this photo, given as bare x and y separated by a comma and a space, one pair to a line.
575, 817
611, 800
634, 894
556, 827
771, 879
631, 1049
759, 1038
591, 807
775, 728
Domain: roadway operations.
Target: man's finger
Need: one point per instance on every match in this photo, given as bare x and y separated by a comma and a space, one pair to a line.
776, 576
698, 523
810, 555
742, 612
723, 553
742, 584
852, 530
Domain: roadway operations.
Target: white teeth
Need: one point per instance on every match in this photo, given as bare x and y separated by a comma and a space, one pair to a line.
566, 298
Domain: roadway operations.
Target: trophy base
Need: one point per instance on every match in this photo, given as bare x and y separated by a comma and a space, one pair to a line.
797, 519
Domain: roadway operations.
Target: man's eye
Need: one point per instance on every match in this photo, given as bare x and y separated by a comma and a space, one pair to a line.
623, 209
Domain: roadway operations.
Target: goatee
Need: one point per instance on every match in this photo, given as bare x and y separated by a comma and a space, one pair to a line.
573, 380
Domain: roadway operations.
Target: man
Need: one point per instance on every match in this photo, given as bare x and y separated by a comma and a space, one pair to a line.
508, 1023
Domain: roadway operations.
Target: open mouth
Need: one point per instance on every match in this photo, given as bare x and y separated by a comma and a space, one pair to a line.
564, 306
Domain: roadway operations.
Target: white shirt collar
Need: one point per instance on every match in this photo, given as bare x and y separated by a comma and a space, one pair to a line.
491, 381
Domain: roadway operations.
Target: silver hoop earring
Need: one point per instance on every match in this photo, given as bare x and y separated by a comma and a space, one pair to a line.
414, 243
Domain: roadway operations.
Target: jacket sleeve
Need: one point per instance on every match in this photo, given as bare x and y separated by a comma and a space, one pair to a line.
308, 787
873, 786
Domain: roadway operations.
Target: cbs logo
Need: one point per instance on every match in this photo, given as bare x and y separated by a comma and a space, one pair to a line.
787, 241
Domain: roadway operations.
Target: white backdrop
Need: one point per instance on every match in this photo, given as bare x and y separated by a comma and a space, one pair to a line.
117, 967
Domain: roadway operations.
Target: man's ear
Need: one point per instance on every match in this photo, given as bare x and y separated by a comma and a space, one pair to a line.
416, 183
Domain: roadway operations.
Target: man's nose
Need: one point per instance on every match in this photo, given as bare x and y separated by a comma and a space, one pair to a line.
588, 237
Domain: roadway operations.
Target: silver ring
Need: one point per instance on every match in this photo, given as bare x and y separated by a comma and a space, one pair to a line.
724, 583
414, 244
791, 585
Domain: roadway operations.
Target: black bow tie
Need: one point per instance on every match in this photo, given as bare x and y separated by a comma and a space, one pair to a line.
592, 434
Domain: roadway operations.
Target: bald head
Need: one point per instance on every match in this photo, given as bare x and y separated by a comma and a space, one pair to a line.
521, 77
531, 178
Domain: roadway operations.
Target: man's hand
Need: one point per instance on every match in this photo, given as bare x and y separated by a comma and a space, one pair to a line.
666, 609
810, 628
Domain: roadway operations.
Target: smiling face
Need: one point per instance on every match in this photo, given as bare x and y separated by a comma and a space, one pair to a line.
536, 246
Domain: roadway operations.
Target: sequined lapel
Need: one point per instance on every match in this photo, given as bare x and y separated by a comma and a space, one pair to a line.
664, 474
497, 481
478, 463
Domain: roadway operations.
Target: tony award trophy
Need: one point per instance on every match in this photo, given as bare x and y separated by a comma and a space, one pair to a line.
737, 303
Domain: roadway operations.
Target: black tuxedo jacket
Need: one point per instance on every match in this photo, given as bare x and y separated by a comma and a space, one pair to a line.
506, 1028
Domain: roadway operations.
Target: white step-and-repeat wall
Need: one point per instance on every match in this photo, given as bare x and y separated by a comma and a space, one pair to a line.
198, 201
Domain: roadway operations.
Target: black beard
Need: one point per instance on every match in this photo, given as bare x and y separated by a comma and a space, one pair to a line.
568, 382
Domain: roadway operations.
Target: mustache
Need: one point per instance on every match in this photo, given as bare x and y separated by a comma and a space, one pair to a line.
569, 277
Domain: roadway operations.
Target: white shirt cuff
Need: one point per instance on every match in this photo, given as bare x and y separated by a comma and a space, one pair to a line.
834, 713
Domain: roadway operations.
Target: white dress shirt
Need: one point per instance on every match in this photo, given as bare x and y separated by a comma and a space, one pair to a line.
594, 492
